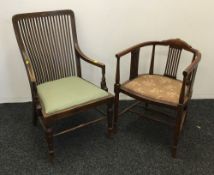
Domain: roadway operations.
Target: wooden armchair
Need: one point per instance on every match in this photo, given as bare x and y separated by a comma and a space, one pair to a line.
52, 57
158, 89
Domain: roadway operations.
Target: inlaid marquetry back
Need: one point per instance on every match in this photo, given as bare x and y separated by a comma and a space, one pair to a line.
48, 38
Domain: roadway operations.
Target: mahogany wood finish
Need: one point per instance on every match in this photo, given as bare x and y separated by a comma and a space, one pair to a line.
49, 48
174, 54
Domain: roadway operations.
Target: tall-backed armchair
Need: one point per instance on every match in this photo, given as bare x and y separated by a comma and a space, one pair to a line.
52, 57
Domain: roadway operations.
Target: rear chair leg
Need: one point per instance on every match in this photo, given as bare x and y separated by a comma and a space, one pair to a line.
49, 139
110, 118
35, 115
116, 111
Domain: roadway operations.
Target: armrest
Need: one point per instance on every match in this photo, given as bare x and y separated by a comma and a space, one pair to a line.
87, 59
130, 49
93, 62
193, 65
189, 77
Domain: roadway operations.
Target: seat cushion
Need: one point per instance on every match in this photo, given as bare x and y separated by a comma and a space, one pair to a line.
156, 87
67, 92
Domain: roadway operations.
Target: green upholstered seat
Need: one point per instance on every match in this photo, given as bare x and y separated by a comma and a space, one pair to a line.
67, 92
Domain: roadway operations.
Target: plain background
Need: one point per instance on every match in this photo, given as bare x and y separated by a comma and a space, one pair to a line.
105, 27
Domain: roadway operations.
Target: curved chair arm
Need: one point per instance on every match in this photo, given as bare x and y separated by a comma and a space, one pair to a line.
137, 46
134, 50
189, 77
87, 59
193, 65
93, 62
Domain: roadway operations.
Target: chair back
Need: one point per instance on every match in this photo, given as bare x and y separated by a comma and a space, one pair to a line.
174, 54
46, 40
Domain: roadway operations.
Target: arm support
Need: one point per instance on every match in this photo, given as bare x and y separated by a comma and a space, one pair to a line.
189, 77
81, 55
29, 68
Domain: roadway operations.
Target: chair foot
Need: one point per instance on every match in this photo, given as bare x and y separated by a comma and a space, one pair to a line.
35, 117
174, 151
110, 133
115, 129
51, 156
49, 139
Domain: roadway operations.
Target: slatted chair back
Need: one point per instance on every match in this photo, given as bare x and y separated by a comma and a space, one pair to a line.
46, 41
173, 60
174, 54
175, 48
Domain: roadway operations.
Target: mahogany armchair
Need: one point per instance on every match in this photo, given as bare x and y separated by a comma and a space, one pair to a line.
52, 58
159, 89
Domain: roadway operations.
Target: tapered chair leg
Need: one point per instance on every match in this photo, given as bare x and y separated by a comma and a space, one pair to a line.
110, 118
177, 131
49, 139
116, 110
35, 115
